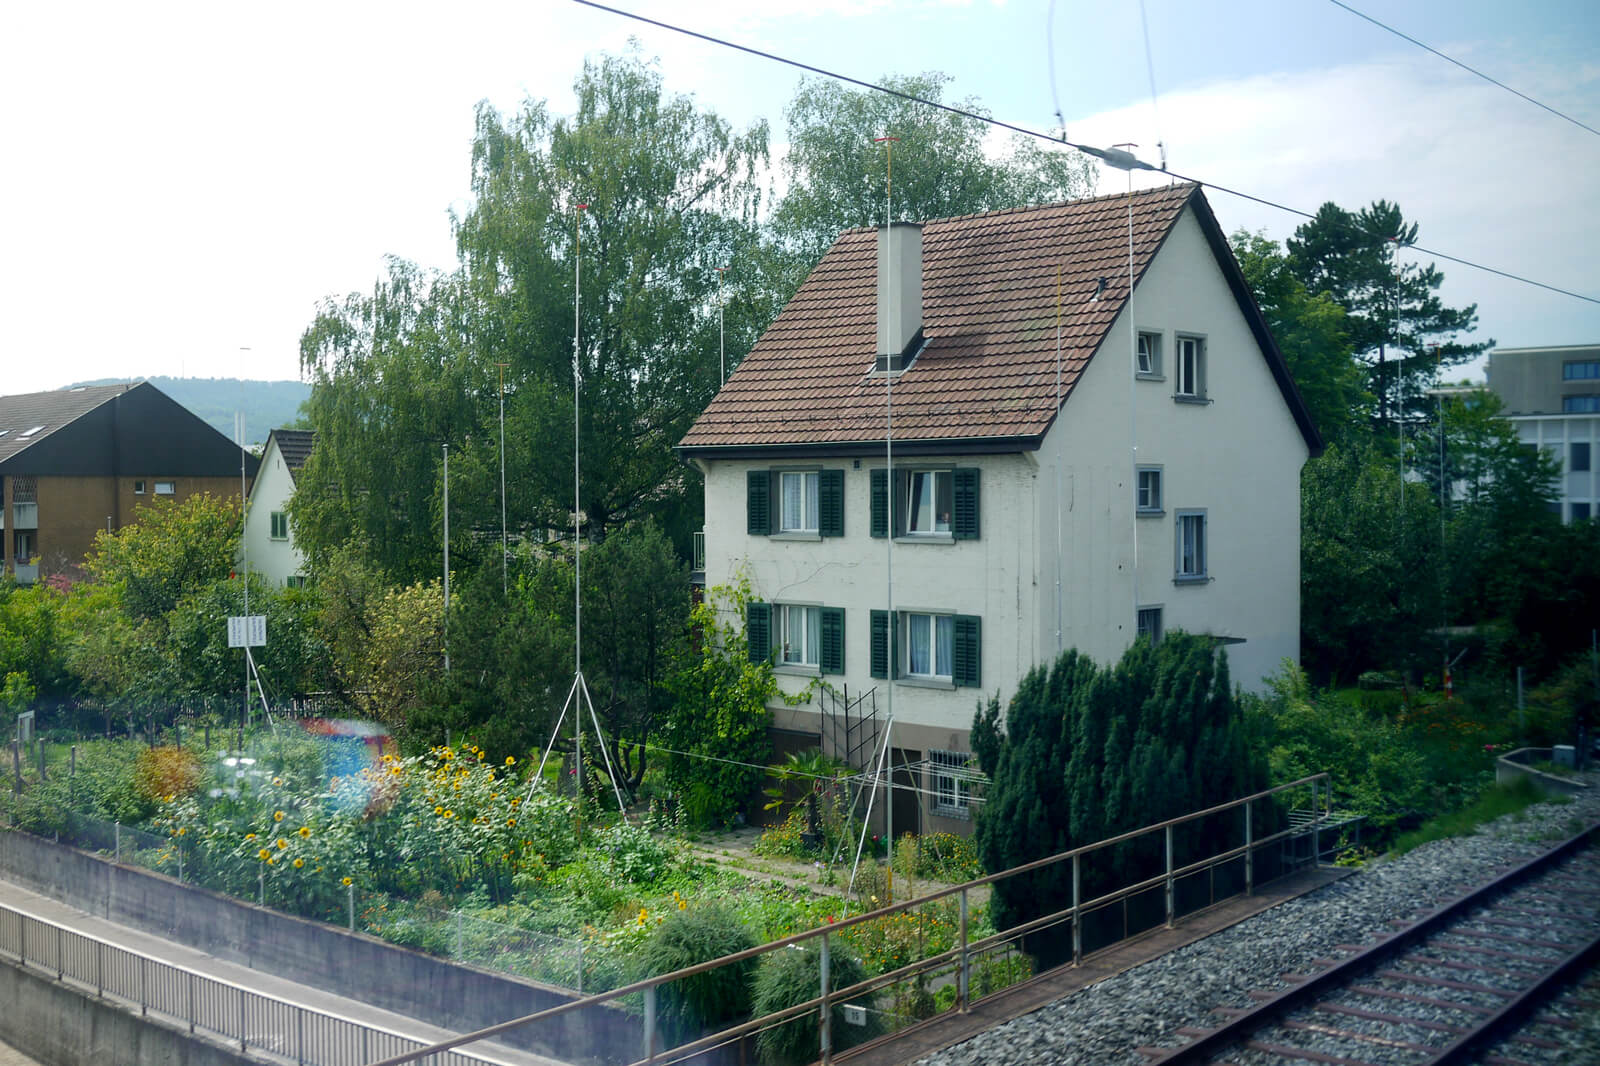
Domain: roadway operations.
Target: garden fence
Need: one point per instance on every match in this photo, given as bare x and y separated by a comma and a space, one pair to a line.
255, 1021
940, 958
544, 957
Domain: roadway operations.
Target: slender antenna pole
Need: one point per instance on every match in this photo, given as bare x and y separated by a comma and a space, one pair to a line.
1058, 461
722, 343
888, 456
1133, 396
577, 504
504, 584
447, 558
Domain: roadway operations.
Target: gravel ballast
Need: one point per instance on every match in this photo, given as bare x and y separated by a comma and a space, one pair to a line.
1103, 1024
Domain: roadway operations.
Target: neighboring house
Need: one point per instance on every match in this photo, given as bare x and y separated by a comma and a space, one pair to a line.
1198, 528
76, 461
1552, 397
268, 544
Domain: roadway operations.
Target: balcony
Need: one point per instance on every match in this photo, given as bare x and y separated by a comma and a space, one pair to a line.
24, 515
26, 573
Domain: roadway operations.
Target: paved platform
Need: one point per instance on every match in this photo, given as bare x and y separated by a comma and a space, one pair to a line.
947, 1030
155, 947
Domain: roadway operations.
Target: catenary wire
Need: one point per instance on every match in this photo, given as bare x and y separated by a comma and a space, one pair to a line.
1027, 132
1470, 70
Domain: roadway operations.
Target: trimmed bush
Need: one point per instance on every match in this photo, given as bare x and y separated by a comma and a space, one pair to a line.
793, 976
688, 937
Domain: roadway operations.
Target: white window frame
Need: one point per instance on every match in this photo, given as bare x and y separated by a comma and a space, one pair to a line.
1193, 564
1142, 500
806, 520
166, 488
933, 525
934, 622
802, 648
1157, 615
1148, 348
952, 791
138, 488
1189, 373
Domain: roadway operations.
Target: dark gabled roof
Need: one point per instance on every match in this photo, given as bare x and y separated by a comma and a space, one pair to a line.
295, 446
49, 411
985, 379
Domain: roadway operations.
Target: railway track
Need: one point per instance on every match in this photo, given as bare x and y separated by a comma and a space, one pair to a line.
1487, 977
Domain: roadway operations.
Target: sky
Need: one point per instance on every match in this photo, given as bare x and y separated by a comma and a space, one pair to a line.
186, 182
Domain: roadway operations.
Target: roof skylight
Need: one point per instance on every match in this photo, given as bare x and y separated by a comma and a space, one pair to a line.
29, 432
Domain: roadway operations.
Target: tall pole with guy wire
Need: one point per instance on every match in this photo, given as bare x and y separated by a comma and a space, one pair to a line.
504, 585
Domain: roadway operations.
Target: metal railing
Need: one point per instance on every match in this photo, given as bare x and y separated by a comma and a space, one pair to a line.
236, 1014
955, 965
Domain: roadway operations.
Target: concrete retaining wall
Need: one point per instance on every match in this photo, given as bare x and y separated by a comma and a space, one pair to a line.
1513, 765
51, 1022
442, 993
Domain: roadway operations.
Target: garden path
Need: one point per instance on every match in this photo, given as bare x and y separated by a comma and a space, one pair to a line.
734, 850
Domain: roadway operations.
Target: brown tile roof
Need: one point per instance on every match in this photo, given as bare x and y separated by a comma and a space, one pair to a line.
48, 410
295, 446
986, 376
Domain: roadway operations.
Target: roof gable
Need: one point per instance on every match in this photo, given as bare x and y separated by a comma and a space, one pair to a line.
986, 376
295, 446
46, 413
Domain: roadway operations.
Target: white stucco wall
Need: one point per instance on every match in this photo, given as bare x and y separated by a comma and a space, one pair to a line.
1238, 457
278, 560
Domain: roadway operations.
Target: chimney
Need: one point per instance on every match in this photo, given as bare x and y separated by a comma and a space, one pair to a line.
899, 294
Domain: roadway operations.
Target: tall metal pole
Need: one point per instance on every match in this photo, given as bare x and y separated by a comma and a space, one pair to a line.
504, 586
577, 504
722, 341
447, 558
1059, 436
888, 456
1133, 407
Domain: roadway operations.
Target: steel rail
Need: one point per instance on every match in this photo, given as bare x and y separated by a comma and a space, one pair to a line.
1202, 1048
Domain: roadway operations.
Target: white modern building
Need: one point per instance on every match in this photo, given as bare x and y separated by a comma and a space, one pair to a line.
268, 542
1162, 493
1552, 397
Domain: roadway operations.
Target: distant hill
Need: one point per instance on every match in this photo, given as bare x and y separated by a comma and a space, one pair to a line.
267, 405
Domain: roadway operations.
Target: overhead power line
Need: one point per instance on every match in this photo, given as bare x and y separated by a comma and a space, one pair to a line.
1470, 70
1039, 135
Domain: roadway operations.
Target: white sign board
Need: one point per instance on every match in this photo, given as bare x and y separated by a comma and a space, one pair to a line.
247, 630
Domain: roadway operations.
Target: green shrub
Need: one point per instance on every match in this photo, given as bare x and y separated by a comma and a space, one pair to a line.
1495, 802
792, 976
687, 937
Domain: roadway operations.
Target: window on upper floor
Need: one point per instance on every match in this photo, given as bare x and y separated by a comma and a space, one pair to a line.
1190, 369
933, 502
794, 501
1580, 511
952, 782
166, 488
1149, 624
1191, 564
1585, 371
138, 488
1149, 490
280, 526
797, 635
928, 646
1149, 354
1578, 456
1580, 405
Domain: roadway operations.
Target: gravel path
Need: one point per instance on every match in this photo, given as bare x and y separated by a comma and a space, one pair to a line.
1103, 1024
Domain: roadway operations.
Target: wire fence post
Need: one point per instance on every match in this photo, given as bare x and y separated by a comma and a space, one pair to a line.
1077, 913
824, 1027
144, 967
1316, 823
1249, 853
117, 832
580, 967
241, 1020
191, 1002
650, 1024
61, 951
99, 968
458, 934
1170, 901
261, 887
964, 973
300, 1036
350, 892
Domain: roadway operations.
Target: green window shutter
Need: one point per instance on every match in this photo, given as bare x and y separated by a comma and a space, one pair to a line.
967, 651
758, 502
831, 661
880, 644
964, 523
758, 631
880, 502
830, 503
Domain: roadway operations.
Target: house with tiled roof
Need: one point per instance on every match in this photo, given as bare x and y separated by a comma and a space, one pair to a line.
268, 546
76, 461
968, 444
